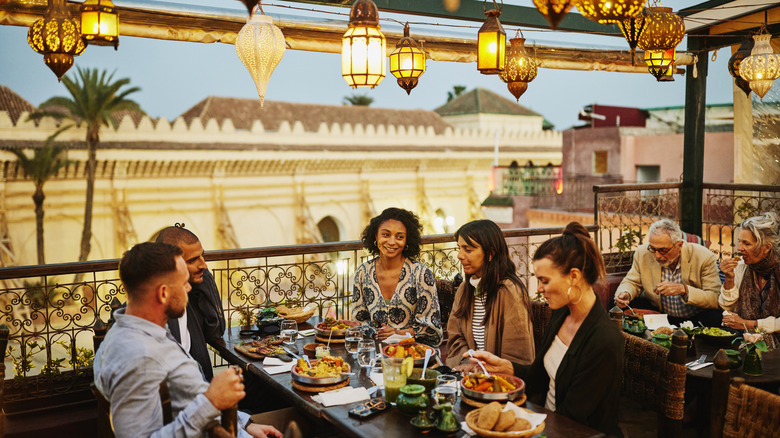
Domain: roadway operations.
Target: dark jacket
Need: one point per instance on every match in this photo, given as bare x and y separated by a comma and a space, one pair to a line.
587, 384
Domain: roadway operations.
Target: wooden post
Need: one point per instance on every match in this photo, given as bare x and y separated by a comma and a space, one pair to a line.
693, 153
720, 393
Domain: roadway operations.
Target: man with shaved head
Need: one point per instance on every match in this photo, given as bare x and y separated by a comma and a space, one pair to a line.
203, 321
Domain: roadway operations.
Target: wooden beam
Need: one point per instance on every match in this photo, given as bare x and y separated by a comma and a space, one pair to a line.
693, 142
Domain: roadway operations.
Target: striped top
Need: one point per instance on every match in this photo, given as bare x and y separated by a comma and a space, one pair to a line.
477, 328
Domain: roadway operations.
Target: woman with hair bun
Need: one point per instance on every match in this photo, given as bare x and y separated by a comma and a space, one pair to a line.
578, 370
752, 287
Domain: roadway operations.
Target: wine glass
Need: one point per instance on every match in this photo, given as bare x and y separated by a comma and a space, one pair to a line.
289, 332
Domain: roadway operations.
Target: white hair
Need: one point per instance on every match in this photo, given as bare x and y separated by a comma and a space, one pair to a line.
668, 227
764, 228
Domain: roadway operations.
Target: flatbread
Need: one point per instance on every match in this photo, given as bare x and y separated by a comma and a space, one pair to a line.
488, 416
505, 421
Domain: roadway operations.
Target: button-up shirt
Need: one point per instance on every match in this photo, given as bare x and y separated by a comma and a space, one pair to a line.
676, 305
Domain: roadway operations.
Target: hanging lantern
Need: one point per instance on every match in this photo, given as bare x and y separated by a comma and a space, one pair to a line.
491, 43
520, 68
664, 29
57, 36
609, 11
669, 75
736, 59
99, 23
659, 61
407, 62
554, 10
260, 46
632, 29
762, 67
363, 49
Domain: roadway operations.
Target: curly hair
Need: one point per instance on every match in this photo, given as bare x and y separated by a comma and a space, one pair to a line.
407, 218
765, 228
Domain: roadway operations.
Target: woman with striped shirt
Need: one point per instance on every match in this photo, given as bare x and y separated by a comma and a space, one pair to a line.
492, 309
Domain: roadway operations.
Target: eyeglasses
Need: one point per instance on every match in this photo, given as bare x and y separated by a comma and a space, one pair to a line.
661, 251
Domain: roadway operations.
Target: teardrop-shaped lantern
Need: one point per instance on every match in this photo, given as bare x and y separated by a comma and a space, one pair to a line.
260, 46
736, 59
520, 68
57, 36
554, 10
664, 30
609, 11
762, 67
632, 29
407, 62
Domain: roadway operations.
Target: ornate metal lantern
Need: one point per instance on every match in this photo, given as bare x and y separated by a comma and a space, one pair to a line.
491, 43
554, 10
407, 62
736, 59
664, 30
659, 61
762, 67
57, 36
609, 11
520, 68
260, 46
632, 29
99, 23
363, 49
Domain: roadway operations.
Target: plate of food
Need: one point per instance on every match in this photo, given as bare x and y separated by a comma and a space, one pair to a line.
634, 326
327, 371
720, 336
408, 347
259, 349
496, 387
334, 327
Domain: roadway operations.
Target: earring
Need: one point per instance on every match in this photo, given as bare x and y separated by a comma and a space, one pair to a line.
406, 247
568, 294
375, 244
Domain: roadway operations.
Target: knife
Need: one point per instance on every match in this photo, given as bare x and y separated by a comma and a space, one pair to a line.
291, 353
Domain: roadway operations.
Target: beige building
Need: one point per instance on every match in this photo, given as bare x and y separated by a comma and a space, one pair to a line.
242, 176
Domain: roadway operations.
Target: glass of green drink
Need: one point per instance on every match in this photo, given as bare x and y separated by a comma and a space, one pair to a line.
394, 378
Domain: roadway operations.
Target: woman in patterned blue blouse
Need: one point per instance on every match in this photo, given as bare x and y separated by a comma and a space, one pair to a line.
393, 293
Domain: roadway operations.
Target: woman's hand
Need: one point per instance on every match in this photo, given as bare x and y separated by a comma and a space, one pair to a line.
727, 266
384, 332
492, 363
732, 320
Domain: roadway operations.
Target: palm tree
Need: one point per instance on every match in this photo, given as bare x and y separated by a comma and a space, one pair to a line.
457, 90
359, 100
45, 163
94, 100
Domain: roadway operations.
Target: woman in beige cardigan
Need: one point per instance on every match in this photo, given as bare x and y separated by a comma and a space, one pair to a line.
492, 309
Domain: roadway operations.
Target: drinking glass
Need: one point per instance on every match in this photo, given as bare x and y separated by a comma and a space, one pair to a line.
446, 390
289, 332
394, 379
351, 339
366, 352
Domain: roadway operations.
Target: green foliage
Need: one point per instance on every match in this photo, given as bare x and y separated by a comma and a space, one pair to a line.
83, 358
457, 90
246, 316
359, 100
628, 238
23, 362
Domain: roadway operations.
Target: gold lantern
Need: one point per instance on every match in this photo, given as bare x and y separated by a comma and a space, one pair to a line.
407, 62
99, 23
554, 10
491, 43
669, 75
659, 61
260, 46
736, 59
632, 29
57, 36
609, 11
520, 68
363, 49
664, 29
762, 67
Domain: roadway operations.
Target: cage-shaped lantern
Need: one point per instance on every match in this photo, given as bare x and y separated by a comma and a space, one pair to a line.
664, 29
659, 61
609, 11
407, 62
554, 10
260, 46
491, 44
521, 68
736, 59
762, 67
99, 23
57, 36
363, 50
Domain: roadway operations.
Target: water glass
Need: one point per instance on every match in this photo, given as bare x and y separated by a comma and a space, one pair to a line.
394, 379
366, 352
446, 390
351, 339
289, 332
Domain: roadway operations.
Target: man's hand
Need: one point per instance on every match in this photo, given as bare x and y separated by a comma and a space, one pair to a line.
263, 431
226, 389
622, 299
492, 363
669, 288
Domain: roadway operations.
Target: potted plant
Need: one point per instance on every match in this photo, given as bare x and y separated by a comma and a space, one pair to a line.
754, 345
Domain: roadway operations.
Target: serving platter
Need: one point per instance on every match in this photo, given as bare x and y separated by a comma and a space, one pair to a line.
260, 349
418, 361
322, 332
481, 396
299, 377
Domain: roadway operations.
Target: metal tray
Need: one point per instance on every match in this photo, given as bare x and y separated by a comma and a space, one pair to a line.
316, 381
418, 363
496, 396
323, 333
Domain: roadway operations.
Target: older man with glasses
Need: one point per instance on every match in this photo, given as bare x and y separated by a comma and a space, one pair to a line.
673, 277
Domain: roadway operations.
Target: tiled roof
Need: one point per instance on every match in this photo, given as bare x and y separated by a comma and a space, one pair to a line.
482, 101
14, 104
245, 111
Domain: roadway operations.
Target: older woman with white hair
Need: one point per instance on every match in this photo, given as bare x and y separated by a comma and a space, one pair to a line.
752, 287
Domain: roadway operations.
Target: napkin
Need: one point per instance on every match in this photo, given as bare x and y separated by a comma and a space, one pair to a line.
273, 365
342, 396
396, 338
655, 321
309, 332
699, 366
532, 417
378, 379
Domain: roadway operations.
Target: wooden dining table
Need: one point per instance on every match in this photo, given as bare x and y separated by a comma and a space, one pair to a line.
390, 423
770, 361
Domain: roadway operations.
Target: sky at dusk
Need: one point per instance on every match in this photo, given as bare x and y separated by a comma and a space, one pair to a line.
174, 76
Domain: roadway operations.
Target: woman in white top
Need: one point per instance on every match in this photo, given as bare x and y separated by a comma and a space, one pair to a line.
752, 287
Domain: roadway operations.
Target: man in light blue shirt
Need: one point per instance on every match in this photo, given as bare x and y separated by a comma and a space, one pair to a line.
138, 353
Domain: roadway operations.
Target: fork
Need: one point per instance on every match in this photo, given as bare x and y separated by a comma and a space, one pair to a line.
479, 362
697, 361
